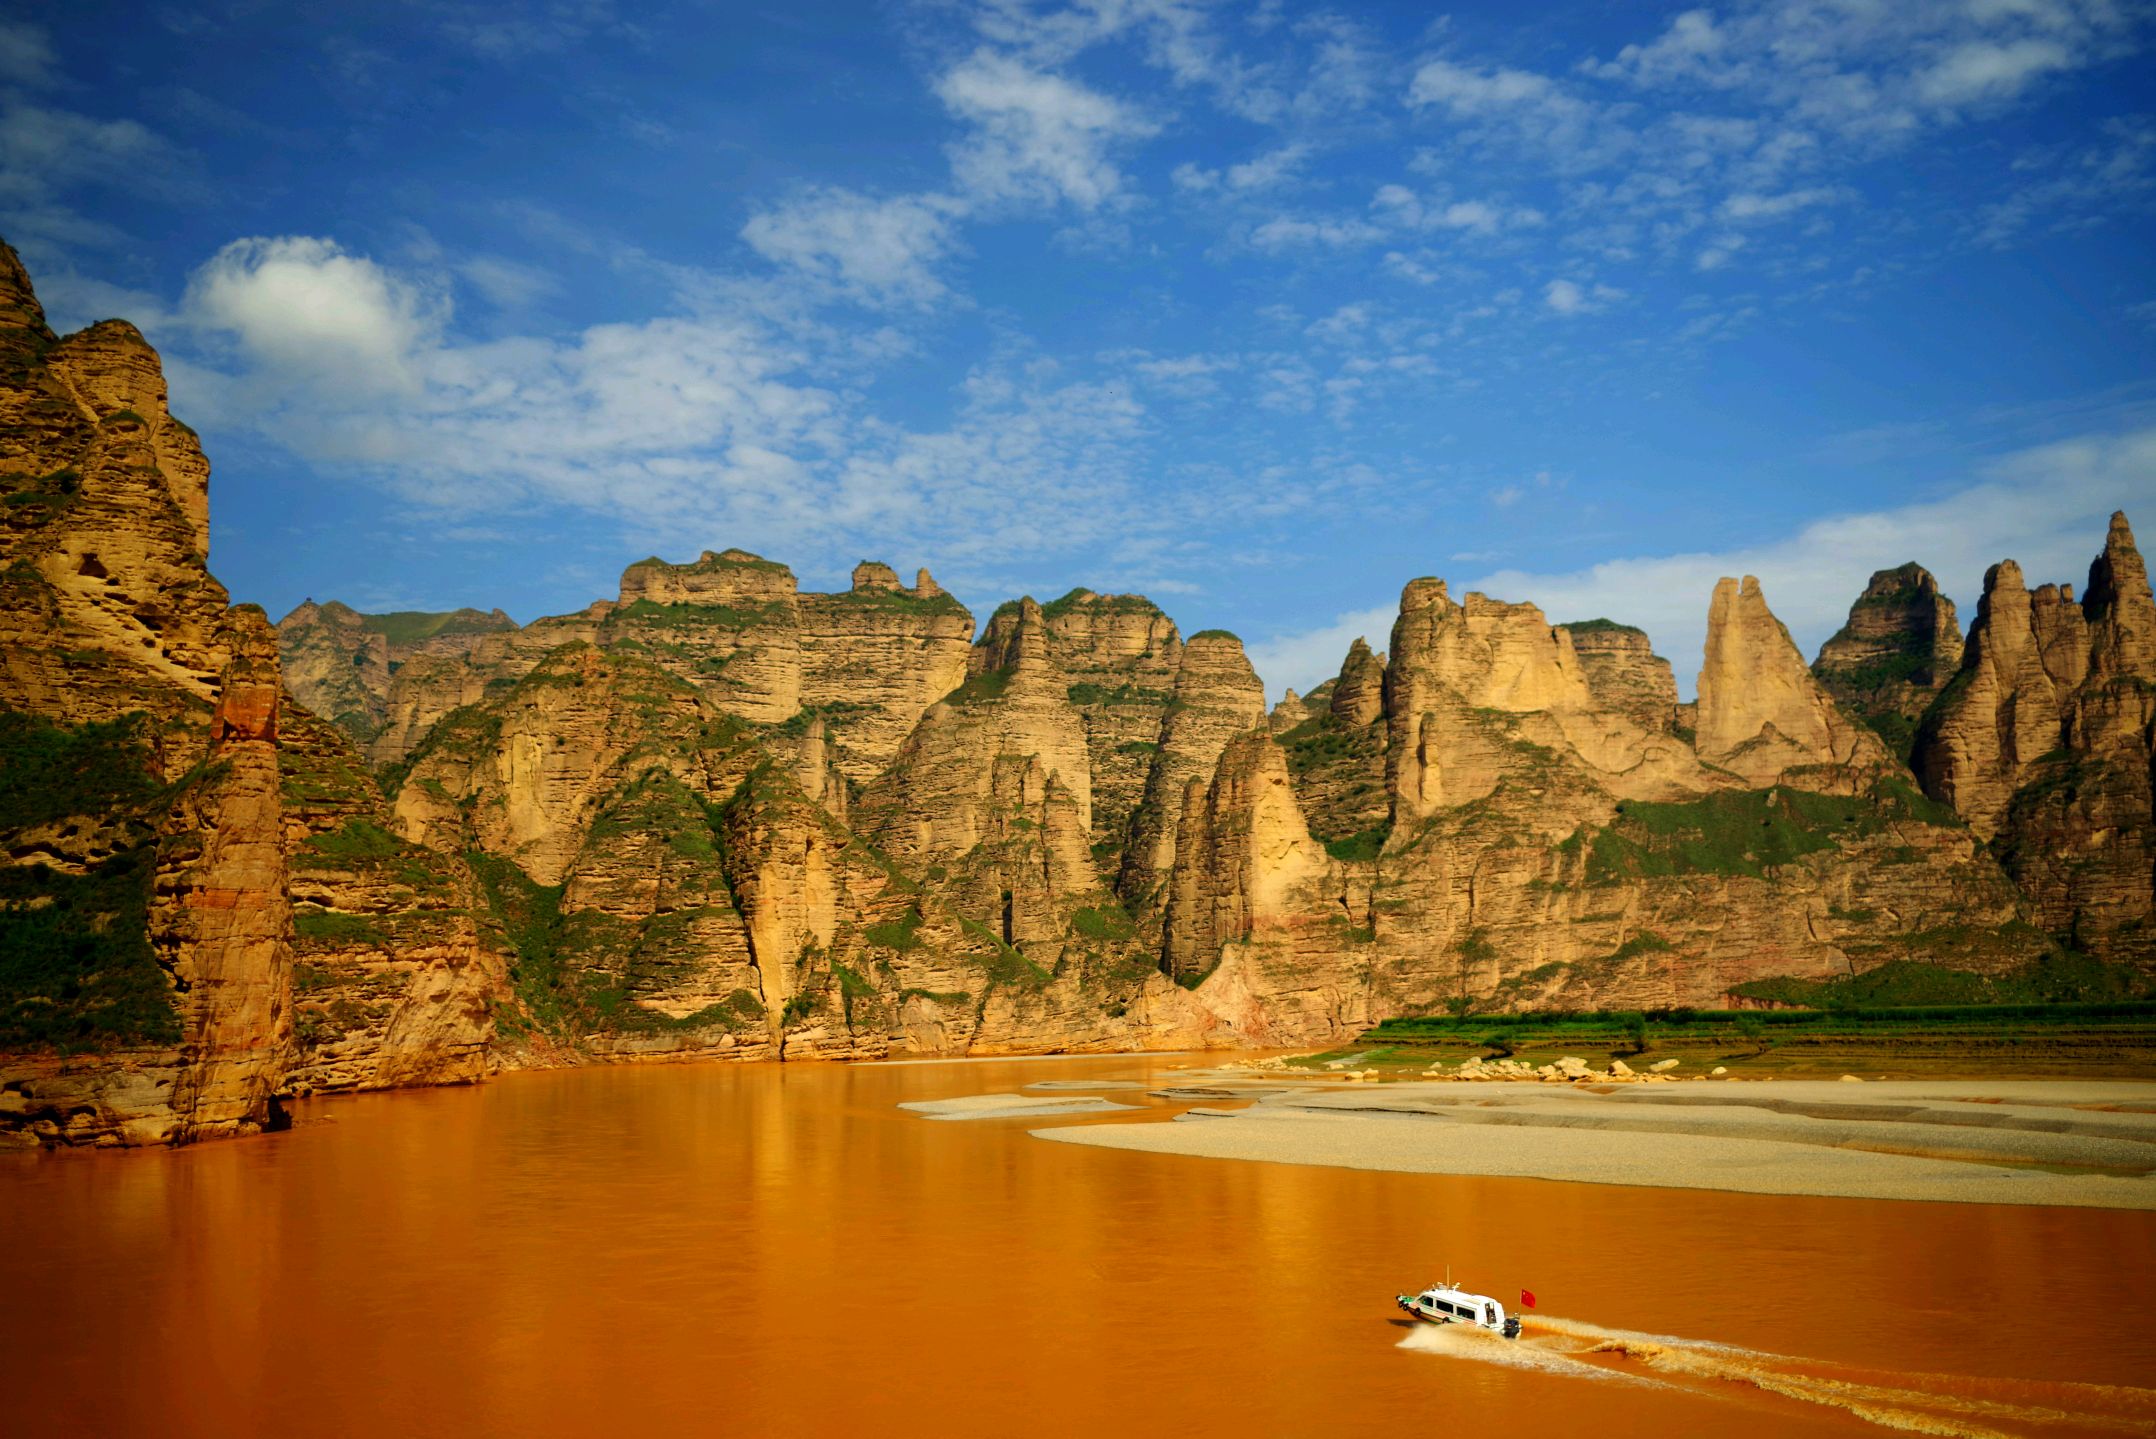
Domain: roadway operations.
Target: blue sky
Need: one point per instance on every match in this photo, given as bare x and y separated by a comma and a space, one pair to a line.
1259, 309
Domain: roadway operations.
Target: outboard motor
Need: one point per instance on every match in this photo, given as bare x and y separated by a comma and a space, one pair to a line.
1512, 1326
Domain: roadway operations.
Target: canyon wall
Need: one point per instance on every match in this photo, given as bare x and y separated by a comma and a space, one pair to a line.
179, 935
715, 815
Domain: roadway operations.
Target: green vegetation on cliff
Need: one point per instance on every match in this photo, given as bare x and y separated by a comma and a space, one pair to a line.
1748, 832
51, 772
410, 627
76, 967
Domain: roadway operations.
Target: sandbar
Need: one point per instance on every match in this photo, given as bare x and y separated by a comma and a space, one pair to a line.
2080, 1143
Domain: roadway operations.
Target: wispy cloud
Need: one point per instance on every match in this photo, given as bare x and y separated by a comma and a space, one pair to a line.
1037, 136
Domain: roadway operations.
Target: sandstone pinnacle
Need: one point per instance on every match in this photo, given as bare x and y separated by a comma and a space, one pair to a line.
1358, 697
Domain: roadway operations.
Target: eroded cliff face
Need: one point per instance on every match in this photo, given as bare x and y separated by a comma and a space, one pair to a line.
156, 839
2044, 741
1900, 648
1554, 839
1762, 714
717, 816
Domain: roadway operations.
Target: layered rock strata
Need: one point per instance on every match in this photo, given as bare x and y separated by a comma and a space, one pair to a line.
157, 832
1762, 714
2045, 738
1901, 646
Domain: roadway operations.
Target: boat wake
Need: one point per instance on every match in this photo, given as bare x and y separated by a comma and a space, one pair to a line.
1950, 1404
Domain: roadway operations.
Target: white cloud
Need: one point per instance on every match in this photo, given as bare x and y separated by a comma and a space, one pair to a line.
1305, 659
1875, 71
1719, 252
1036, 136
2045, 507
880, 251
302, 307
508, 284
1479, 92
1568, 297
703, 423
60, 147
1982, 70
1689, 49
1266, 172
1748, 208
1399, 205
26, 56
1291, 232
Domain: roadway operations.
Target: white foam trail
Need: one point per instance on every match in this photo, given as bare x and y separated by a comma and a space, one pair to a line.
1946, 1404
1548, 1356
1919, 1403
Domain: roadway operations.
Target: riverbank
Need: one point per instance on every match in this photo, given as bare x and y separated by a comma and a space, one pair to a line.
2079, 1143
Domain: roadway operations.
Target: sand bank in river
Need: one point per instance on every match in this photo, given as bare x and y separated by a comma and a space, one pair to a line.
2089, 1143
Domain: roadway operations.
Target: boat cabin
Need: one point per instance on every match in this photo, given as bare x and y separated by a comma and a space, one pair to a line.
1444, 1304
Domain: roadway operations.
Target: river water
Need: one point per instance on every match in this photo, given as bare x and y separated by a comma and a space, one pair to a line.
765, 1249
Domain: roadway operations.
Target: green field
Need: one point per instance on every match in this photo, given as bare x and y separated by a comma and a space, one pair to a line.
2090, 1040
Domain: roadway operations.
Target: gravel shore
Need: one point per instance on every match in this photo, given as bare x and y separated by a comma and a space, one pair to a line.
2079, 1143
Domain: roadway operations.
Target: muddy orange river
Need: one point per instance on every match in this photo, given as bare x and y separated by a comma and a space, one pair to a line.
779, 1249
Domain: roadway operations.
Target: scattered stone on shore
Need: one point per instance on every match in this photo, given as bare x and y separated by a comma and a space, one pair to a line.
1663, 1066
1851, 1079
1717, 1072
1619, 1069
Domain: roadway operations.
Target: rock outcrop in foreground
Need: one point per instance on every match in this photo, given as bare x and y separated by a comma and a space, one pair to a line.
181, 931
715, 815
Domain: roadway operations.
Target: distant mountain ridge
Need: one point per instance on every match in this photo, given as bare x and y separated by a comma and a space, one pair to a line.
716, 815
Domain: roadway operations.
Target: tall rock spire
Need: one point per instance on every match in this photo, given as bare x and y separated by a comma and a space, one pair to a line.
1760, 711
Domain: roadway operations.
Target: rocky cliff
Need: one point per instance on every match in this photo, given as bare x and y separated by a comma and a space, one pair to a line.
715, 815
159, 809
1901, 646
2043, 740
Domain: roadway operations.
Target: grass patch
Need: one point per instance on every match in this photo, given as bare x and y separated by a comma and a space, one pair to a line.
1123, 694
1363, 847
899, 935
897, 602
76, 967
984, 688
1748, 832
651, 614
410, 627
52, 772
1110, 923
328, 926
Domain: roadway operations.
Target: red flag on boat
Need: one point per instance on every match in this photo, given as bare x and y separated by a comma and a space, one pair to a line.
1527, 1297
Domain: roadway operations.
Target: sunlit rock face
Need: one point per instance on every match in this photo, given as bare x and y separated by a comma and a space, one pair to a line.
2043, 741
170, 798
1762, 713
715, 814
1900, 647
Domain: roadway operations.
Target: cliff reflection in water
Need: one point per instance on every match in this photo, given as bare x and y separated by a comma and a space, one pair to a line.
757, 1249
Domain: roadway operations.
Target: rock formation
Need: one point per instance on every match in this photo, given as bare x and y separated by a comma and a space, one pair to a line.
147, 992
2044, 741
717, 815
1762, 714
1901, 646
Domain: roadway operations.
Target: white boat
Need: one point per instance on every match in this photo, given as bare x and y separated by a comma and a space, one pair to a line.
1449, 1304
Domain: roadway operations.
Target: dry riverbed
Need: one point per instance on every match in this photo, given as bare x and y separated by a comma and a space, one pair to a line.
2082, 1142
